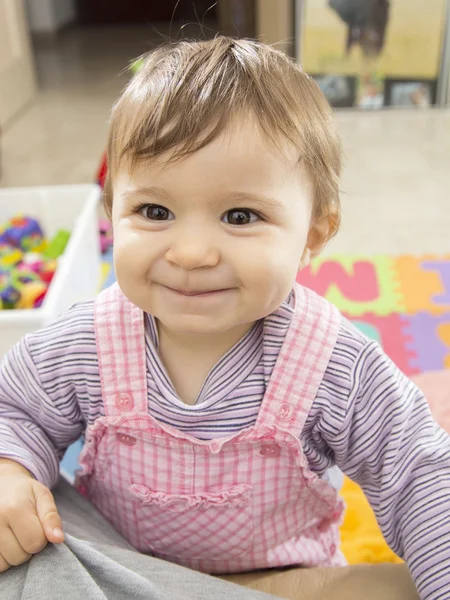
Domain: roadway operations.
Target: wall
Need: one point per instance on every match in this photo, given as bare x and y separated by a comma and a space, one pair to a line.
48, 16
237, 18
64, 11
444, 84
275, 23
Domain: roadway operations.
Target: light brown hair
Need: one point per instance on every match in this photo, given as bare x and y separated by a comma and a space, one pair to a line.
186, 93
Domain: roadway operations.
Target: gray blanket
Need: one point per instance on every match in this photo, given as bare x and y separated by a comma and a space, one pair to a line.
96, 563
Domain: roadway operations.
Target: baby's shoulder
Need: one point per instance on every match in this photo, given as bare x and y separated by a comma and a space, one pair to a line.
349, 335
73, 332
352, 336
350, 347
348, 332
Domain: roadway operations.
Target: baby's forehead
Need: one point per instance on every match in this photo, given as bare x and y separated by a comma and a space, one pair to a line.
241, 144
219, 176
227, 162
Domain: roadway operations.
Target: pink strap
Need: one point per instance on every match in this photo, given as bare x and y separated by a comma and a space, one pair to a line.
298, 372
302, 362
120, 336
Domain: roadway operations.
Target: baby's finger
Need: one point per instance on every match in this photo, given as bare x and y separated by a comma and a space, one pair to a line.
29, 533
4, 566
48, 515
12, 551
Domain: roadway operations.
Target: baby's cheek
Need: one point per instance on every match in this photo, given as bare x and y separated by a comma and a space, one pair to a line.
126, 262
118, 256
282, 270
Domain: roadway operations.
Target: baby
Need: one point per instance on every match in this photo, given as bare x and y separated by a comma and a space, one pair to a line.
217, 396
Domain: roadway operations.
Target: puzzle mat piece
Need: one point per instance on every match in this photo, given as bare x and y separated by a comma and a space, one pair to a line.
389, 332
436, 387
428, 338
356, 285
108, 266
104, 274
424, 283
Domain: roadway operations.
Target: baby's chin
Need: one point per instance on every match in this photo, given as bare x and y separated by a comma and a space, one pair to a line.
200, 326
195, 325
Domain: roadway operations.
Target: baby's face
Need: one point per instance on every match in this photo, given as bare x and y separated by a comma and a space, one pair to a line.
213, 242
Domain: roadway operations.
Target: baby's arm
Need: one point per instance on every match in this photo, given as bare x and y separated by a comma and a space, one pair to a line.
37, 423
389, 443
356, 582
34, 432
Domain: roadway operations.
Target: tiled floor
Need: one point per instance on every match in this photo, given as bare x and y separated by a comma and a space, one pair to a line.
396, 184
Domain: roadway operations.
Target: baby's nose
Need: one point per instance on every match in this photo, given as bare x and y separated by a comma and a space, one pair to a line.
193, 252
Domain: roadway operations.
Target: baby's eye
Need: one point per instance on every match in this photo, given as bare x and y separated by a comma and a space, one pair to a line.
240, 216
155, 212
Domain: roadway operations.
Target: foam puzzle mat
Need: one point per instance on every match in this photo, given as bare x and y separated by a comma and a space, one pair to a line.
402, 302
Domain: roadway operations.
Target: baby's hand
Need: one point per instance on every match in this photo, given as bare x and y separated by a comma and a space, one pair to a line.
28, 516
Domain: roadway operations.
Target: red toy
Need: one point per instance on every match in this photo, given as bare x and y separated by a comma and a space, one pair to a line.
106, 238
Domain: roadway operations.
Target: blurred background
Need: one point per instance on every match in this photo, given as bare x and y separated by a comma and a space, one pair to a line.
382, 63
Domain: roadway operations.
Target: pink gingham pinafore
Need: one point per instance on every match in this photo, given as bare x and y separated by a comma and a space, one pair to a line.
226, 505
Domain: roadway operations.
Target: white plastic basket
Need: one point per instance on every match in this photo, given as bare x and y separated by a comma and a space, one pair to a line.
70, 207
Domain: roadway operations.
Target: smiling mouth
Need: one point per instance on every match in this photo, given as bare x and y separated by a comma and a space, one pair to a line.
196, 293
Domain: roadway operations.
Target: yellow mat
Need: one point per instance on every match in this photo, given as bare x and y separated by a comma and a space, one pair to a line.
361, 538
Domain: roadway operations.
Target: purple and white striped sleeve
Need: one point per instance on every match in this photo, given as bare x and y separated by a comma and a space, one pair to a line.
389, 443
35, 430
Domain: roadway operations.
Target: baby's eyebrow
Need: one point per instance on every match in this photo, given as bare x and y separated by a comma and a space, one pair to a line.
146, 192
243, 198
233, 199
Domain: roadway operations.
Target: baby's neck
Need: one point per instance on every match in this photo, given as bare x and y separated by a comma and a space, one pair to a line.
201, 345
189, 359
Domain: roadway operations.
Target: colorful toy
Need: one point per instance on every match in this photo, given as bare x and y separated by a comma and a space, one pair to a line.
3, 236
5, 275
136, 65
22, 275
9, 296
48, 270
28, 262
24, 233
106, 237
32, 261
32, 294
58, 244
9, 255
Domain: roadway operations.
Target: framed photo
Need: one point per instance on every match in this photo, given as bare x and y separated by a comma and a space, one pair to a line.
415, 93
340, 90
371, 91
374, 41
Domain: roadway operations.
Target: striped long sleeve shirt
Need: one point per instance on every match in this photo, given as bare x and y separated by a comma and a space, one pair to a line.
367, 418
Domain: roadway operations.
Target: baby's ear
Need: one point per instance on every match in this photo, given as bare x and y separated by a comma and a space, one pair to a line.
322, 230
305, 259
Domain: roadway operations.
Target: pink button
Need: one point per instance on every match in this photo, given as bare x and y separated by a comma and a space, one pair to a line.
215, 447
286, 412
270, 451
83, 490
323, 525
124, 401
128, 440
